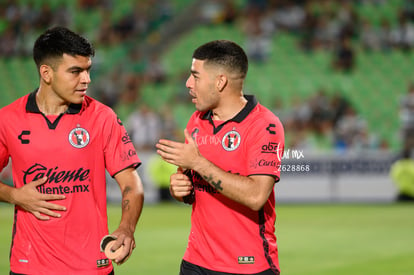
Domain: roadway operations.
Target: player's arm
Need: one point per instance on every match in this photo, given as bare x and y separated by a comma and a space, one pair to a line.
252, 192
132, 202
31, 200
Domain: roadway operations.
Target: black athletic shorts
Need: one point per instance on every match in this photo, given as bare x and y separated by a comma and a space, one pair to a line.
191, 269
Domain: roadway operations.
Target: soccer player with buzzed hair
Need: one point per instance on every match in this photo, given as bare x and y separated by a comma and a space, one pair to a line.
227, 168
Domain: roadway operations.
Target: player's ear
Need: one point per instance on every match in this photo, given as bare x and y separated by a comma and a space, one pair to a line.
221, 82
46, 73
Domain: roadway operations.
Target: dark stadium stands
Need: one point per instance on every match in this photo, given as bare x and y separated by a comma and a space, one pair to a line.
373, 87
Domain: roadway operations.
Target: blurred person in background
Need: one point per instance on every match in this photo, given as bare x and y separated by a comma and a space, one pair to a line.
61, 142
144, 126
344, 56
258, 29
402, 174
402, 34
369, 36
227, 168
406, 113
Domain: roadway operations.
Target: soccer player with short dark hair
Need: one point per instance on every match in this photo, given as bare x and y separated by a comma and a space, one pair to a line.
227, 168
61, 142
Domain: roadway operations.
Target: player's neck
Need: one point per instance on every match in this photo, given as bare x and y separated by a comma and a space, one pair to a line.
229, 108
49, 104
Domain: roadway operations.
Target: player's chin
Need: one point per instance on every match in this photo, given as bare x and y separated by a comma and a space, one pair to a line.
78, 98
200, 107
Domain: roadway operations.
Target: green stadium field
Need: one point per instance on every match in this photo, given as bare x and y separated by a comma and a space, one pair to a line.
322, 239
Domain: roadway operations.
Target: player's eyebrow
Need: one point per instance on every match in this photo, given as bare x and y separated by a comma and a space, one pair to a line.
77, 68
194, 72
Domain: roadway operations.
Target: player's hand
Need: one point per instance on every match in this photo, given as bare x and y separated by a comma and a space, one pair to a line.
31, 200
180, 185
125, 238
184, 155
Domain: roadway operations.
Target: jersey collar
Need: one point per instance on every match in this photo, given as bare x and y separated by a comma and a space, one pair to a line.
31, 105
251, 104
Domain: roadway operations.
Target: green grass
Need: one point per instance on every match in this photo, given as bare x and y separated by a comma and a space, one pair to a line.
326, 239
346, 239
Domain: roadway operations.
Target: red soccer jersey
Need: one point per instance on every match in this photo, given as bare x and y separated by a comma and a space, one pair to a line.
72, 150
225, 235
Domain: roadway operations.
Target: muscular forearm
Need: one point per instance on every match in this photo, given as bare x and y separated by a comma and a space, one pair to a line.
132, 198
132, 203
252, 192
241, 189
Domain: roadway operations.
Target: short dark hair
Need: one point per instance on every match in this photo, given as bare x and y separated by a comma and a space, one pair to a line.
225, 53
56, 41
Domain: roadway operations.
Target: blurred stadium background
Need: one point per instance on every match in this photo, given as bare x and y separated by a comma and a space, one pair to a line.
339, 74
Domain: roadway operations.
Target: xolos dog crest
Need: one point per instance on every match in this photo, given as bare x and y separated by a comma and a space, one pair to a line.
79, 137
231, 141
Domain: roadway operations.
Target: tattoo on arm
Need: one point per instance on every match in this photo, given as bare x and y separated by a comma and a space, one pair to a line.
216, 185
125, 205
125, 202
126, 191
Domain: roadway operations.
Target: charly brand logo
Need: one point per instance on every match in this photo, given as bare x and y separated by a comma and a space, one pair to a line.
24, 137
231, 141
79, 137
